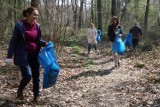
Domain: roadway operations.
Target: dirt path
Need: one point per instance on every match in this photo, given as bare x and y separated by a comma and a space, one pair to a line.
88, 82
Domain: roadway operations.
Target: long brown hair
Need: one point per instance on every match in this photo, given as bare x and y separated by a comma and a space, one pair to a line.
29, 10
115, 18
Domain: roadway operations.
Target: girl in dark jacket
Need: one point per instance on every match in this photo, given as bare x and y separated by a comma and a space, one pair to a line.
112, 32
25, 45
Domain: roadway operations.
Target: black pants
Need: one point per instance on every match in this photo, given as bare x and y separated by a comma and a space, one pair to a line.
135, 42
89, 47
31, 71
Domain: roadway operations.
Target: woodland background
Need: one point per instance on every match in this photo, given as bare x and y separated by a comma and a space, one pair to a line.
87, 81
60, 19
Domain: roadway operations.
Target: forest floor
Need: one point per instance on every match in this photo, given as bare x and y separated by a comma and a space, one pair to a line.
91, 81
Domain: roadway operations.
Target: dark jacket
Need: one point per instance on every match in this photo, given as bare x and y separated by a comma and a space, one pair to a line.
136, 32
17, 46
111, 33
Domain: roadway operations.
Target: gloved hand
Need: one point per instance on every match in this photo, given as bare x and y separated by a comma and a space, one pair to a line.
120, 35
46, 43
117, 33
8, 60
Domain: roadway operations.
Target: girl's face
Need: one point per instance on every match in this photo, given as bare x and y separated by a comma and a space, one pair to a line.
32, 17
115, 21
91, 25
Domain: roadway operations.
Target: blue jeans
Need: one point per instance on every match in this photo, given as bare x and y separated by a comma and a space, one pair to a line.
90, 45
31, 71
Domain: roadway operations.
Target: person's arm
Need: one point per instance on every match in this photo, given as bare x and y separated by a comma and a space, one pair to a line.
13, 41
111, 32
42, 42
121, 32
131, 30
96, 32
140, 31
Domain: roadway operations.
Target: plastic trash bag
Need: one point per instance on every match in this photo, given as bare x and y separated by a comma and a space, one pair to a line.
98, 37
47, 59
128, 40
118, 46
50, 77
119, 31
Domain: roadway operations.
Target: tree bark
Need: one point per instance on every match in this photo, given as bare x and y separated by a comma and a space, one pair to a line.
146, 16
75, 9
35, 3
92, 13
124, 9
99, 11
113, 8
136, 7
80, 14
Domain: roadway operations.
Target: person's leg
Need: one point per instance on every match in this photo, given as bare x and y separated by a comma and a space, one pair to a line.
35, 74
95, 47
26, 77
116, 59
135, 42
89, 48
114, 54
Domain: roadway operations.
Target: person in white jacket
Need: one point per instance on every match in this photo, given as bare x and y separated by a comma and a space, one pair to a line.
92, 33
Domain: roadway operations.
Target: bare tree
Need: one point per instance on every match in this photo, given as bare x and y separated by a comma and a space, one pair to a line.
99, 11
113, 8
146, 16
74, 9
124, 10
35, 3
80, 14
92, 13
136, 7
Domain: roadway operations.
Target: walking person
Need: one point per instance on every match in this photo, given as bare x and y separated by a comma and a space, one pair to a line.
136, 34
92, 33
112, 32
25, 45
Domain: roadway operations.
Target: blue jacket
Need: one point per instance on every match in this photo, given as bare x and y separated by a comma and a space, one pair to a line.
17, 46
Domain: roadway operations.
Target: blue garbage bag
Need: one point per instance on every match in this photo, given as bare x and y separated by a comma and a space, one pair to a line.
128, 40
118, 46
119, 31
47, 59
98, 37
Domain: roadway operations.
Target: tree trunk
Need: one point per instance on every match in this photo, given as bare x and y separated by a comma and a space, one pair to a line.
113, 8
80, 14
99, 11
15, 12
74, 8
158, 20
35, 3
92, 13
124, 10
159, 4
136, 7
86, 15
146, 16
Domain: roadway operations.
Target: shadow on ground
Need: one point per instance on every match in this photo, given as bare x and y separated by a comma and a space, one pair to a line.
92, 73
103, 62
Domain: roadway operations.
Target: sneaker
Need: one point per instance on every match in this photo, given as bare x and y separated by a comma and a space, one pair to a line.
116, 66
20, 95
97, 52
35, 99
118, 63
